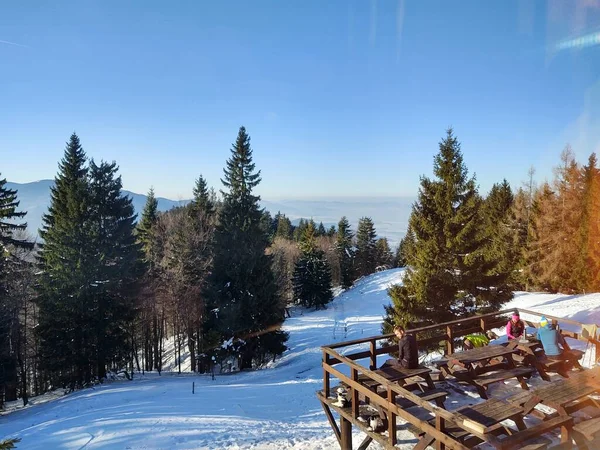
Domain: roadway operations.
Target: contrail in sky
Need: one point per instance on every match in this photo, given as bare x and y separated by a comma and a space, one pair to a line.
13, 43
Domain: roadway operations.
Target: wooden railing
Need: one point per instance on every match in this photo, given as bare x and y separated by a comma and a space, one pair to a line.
442, 333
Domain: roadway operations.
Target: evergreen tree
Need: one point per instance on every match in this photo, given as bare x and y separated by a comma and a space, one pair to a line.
65, 259
116, 269
498, 236
284, 227
312, 274
321, 230
202, 198
8, 315
345, 252
366, 247
300, 229
242, 280
147, 222
331, 231
447, 275
89, 268
405, 248
384, 254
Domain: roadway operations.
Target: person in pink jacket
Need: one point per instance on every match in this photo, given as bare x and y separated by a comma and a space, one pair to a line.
515, 326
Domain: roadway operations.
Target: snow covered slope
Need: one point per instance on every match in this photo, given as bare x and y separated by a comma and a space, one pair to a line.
275, 408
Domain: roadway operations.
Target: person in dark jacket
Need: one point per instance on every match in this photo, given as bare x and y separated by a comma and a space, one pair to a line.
408, 353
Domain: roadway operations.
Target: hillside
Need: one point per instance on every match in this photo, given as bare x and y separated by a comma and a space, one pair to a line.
274, 408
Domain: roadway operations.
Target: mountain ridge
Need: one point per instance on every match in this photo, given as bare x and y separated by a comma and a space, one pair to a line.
390, 214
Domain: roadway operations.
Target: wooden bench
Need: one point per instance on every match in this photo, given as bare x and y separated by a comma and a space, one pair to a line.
519, 439
587, 432
538, 443
483, 381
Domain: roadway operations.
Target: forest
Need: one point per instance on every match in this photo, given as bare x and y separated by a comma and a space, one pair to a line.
104, 288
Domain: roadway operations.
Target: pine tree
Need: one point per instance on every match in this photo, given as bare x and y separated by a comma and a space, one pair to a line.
405, 248
89, 268
243, 282
8, 315
366, 247
284, 227
65, 260
116, 268
147, 222
321, 231
312, 274
498, 236
202, 199
345, 251
149, 309
447, 275
384, 254
300, 229
331, 232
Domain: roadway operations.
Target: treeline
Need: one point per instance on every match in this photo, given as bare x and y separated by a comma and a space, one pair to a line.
104, 291
466, 253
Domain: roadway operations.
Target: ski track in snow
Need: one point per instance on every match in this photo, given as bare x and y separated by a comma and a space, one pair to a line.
273, 408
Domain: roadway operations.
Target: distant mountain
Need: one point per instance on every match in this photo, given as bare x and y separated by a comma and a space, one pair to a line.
390, 214
35, 198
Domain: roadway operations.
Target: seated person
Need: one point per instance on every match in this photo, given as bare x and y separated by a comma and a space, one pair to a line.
408, 353
554, 344
476, 340
515, 326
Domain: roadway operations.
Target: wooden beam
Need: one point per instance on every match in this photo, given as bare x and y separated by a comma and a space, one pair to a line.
345, 434
373, 349
365, 443
332, 422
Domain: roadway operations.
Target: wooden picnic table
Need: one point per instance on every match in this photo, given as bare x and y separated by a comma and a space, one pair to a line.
397, 373
473, 367
565, 396
532, 352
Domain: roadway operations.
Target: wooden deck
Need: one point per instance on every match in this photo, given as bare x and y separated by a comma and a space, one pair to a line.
409, 399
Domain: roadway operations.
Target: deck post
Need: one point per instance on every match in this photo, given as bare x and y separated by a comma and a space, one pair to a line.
373, 365
440, 424
391, 397
482, 324
345, 434
355, 402
450, 340
326, 380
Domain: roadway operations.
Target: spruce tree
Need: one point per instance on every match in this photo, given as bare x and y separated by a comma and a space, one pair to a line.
242, 280
312, 274
284, 227
447, 275
65, 261
384, 254
331, 231
345, 252
8, 316
405, 248
321, 231
498, 237
116, 268
202, 199
366, 247
147, 222
589, 264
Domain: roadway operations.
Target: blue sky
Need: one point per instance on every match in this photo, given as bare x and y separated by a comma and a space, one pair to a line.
341, 98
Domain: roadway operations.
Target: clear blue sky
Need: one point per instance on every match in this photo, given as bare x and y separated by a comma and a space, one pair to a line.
340, 97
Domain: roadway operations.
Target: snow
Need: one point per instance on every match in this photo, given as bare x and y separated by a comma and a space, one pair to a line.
273, 408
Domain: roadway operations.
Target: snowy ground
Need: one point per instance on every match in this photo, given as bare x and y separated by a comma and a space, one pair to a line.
275, 408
